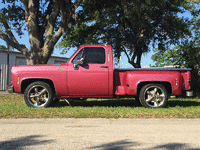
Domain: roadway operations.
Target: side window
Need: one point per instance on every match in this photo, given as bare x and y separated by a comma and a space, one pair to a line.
78, 56
94, 55
91, 55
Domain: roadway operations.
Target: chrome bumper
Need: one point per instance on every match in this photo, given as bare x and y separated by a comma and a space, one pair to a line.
189, 93
10, 89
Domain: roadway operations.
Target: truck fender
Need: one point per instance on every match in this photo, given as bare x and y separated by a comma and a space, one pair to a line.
26, 81
166, 84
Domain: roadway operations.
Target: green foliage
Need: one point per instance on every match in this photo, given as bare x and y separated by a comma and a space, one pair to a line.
130, 26
187, 54
13, 13
83, 34
2, 47
2, 17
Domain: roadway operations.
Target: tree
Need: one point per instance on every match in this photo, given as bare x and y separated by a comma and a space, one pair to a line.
130, 25
2, 47
45, 20
186, 54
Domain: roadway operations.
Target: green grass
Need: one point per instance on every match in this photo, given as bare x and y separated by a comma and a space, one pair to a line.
15, 107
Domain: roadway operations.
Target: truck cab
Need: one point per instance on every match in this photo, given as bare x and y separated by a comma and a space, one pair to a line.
90, 72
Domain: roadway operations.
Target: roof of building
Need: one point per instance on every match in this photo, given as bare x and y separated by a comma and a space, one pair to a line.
14, 52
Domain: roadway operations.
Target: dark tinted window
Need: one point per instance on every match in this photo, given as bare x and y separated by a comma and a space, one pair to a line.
91, 55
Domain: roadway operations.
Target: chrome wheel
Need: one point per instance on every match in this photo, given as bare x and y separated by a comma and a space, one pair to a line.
153, 96
38, 94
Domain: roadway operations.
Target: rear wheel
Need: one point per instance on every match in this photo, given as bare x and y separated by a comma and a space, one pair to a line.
153, 96
38, 94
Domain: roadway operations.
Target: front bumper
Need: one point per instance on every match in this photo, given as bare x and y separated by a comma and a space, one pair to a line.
10, 89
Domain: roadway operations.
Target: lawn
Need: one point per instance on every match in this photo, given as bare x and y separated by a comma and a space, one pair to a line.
15, 107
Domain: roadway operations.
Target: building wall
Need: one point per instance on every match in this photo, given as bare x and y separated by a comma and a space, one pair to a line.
3, 58
16, 58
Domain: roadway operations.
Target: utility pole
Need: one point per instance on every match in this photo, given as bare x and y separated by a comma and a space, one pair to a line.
8, 63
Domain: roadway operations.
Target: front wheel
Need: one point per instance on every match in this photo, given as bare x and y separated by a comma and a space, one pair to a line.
38, 94
153, 96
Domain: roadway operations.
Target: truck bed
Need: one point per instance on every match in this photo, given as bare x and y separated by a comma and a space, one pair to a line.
128, 81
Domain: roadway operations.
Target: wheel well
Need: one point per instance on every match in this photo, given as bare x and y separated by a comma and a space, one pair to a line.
167, 85
27, 82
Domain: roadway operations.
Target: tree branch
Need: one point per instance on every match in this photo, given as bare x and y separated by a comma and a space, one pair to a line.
124, 50
57, 36
51, 23
20, 47
5, 37
51, 39
25, 2
48, 13
9, 32
76, 5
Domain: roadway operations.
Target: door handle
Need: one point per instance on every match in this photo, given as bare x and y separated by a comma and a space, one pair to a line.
103, 66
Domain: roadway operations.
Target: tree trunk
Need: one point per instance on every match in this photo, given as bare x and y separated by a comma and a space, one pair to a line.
136, 55
44, 27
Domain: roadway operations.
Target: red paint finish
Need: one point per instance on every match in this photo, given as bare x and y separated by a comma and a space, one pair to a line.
186, 77
89, 79
128, 80
53, 73
98, 79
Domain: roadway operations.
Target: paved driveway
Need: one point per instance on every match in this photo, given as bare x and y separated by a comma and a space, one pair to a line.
102, 134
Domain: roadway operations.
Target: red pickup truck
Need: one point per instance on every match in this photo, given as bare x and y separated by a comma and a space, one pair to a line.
89, 73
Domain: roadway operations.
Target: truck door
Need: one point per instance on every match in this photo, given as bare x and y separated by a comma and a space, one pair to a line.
90, 77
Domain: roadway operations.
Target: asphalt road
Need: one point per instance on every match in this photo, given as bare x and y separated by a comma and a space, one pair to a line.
101, 134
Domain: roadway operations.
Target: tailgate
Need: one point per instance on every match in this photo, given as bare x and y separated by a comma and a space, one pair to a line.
186, 79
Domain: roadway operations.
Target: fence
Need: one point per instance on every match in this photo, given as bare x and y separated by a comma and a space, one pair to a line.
3, 77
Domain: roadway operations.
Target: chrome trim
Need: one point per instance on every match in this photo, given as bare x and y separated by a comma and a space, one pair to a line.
76, 66
189, 93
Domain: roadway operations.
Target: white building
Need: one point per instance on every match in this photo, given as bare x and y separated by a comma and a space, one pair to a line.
16, 58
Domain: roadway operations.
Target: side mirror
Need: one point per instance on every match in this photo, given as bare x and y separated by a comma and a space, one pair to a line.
76, 66
78, 63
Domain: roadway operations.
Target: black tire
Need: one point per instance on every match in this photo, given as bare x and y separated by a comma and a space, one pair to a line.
138, 101
153, 96
38, 94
